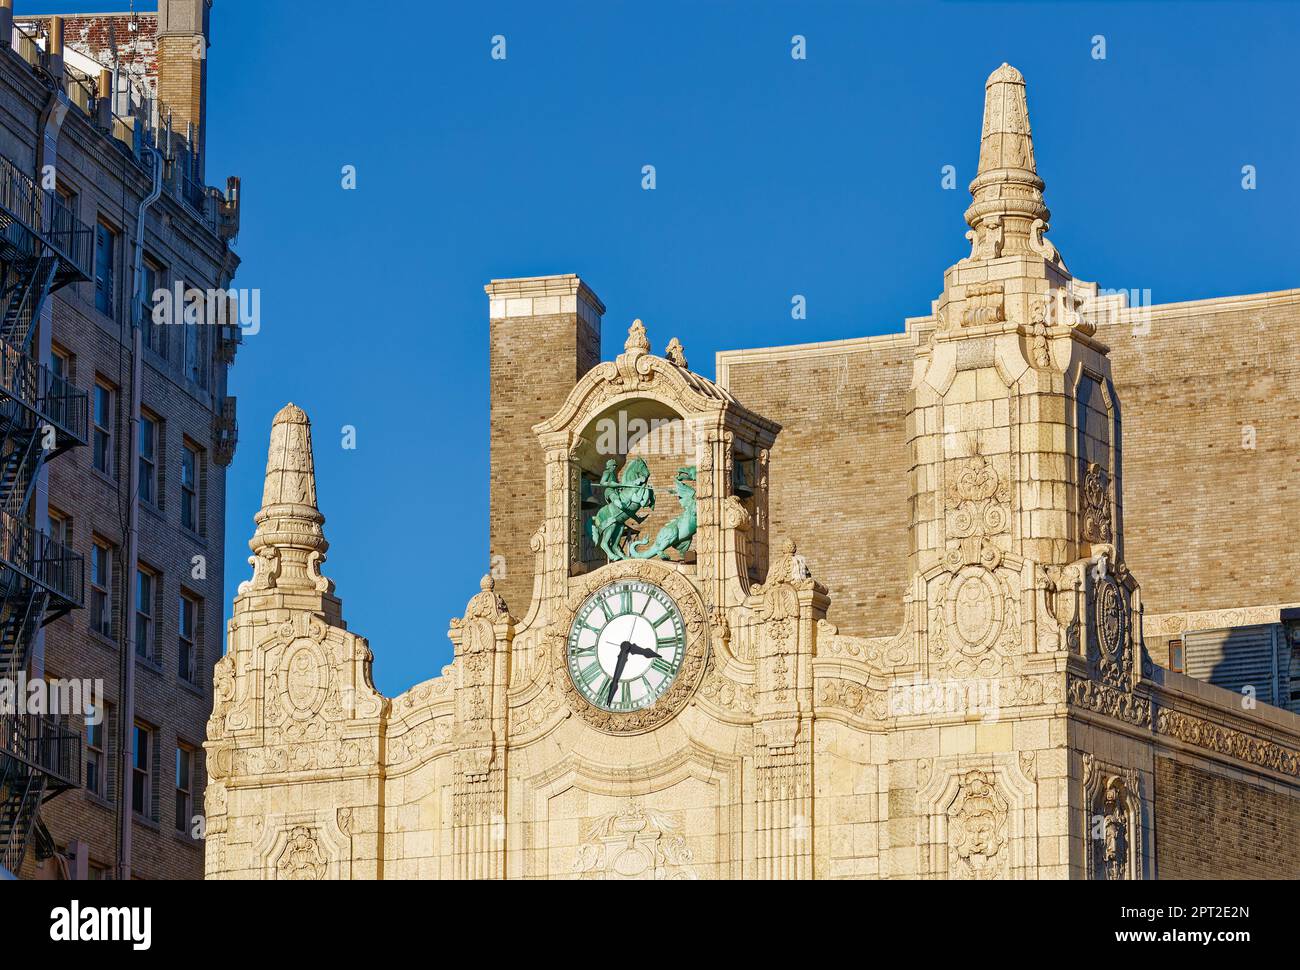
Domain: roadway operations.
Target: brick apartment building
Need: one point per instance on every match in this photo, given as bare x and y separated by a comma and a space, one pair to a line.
102, 128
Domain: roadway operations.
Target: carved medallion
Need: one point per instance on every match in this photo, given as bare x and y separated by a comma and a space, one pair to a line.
1110, 611
305, 682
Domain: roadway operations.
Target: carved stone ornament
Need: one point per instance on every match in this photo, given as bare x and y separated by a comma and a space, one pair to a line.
693, 663
302, 858
977, 500
1096, 504
985, 304
1039, 350
676, 354
1113, 824
974, 622
1114, 656
634, 843
977, 830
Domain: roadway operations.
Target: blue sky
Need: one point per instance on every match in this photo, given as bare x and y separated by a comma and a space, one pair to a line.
775, 177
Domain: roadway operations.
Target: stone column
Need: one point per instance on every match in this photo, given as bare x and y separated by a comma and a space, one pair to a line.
788, 604
481, 668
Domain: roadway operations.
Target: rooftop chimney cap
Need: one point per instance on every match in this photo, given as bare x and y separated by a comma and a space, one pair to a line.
186, 17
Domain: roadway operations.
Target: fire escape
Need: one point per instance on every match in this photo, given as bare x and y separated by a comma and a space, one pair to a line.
42, 247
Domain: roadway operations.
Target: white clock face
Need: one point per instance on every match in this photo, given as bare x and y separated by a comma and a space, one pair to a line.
626, 646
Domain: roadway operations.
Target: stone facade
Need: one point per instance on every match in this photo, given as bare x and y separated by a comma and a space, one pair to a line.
1010, 725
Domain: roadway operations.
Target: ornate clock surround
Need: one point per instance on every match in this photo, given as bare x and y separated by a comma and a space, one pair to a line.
691, 604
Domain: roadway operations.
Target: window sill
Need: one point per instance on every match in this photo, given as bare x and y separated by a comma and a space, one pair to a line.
96, 798
195, 689
145, 820
149, 664
104, 477
102, 640
154, 510
184, 839
194, 536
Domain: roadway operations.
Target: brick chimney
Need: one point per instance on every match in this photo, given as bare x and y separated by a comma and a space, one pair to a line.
183, 34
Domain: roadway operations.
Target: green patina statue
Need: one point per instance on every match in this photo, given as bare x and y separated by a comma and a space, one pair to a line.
625, 496
678, 533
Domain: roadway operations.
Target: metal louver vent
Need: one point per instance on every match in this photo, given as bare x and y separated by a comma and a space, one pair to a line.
1236, 658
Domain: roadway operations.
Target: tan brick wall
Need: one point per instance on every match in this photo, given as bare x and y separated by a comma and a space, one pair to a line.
1209, 826
182, 82
1205, 519
534, 361
839, 468
1208, 522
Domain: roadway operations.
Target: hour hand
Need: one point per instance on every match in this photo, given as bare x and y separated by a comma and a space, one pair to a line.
643, 651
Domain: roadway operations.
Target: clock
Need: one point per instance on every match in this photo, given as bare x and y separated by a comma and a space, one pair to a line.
626, 646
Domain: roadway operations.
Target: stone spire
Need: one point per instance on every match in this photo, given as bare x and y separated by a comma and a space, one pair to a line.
289, 544
1007, 215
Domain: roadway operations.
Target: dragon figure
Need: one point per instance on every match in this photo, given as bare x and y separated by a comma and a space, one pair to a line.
625, 496
677, 534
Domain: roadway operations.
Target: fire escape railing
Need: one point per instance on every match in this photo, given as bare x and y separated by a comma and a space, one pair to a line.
39, 758
43, 246
39, 218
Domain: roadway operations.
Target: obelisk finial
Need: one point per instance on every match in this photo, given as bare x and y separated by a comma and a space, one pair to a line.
289, 544
1007, 213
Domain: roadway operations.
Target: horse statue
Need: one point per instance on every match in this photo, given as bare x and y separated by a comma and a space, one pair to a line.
678, 532
625, 496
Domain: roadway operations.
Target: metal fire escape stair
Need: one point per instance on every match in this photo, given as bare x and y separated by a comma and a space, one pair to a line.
42, 248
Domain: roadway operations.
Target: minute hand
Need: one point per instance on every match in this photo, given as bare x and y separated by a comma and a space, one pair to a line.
623, 650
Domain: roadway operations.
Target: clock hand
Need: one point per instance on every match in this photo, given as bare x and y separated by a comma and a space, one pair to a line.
644, 652
623, 649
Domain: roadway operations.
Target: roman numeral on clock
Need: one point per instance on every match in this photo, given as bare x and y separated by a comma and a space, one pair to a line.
591, 673
670, 643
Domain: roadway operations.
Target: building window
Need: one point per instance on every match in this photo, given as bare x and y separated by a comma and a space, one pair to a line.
61, 364
154, 335
58, 527
142, 770
101, 589
103, 456
196, 352
95, 761
145, 587
189, 488
148, 459
1177, 659
105, 255
187, 637
184, 786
